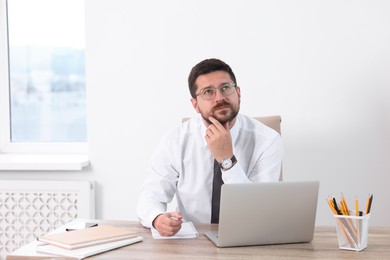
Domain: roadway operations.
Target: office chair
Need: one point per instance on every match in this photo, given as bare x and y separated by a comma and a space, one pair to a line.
273, 122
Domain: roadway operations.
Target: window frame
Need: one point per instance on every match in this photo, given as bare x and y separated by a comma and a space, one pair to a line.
6, 145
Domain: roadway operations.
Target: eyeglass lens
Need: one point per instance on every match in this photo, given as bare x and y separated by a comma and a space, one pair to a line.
209, 93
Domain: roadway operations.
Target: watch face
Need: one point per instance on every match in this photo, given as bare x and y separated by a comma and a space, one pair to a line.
226, 164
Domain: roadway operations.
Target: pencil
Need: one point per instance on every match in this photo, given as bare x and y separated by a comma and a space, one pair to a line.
347, 228
347, 222
347, 236
357, 220
356, 206
343, 208
367, 203
331, 206
345, 203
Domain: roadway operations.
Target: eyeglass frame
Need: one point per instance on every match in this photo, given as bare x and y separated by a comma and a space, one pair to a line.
230, 84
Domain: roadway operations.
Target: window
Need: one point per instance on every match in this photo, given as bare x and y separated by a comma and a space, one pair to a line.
42, 76
46, 71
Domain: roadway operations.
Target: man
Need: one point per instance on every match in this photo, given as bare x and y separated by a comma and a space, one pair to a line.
194, 159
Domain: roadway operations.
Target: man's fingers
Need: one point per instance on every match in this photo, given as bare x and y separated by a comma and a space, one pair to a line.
168, 231
227, 125
216, 123
211, 131
169, 223
176, 215
172, 222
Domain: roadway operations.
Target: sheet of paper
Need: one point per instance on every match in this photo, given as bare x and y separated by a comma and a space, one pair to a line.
187, 230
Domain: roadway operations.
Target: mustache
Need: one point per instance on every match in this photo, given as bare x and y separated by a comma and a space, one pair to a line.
220, 105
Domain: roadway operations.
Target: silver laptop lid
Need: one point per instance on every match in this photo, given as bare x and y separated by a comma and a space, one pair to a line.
267, 213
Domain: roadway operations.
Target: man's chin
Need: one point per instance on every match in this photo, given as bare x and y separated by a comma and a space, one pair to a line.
223, 119
222, 116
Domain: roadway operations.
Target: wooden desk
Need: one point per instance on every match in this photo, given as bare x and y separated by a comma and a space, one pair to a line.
323, 246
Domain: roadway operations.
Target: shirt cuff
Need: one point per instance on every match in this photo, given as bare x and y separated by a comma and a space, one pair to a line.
150, 218
235, 175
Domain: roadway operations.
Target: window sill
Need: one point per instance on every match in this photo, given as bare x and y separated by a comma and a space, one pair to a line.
46, 162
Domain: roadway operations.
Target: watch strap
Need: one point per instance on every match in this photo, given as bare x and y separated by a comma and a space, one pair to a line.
233, 159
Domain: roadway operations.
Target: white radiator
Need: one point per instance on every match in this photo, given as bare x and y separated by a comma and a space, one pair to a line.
29, 209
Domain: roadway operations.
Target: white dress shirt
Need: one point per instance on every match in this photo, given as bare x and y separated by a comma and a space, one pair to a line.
183, 164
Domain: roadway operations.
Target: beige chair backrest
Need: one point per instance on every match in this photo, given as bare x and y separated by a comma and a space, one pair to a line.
274, 123
270, 121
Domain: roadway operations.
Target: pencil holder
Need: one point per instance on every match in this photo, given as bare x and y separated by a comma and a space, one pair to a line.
352, 231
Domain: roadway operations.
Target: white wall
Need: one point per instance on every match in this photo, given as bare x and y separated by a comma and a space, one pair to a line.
322, 65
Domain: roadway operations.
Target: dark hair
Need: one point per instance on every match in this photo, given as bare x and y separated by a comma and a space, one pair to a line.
205, 67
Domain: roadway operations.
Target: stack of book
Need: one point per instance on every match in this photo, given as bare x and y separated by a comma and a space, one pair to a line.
82, 243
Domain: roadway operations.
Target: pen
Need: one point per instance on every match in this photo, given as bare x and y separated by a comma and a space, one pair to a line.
369, 204
335, 207
39, 242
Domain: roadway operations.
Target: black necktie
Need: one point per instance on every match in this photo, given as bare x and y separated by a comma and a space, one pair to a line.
216, 194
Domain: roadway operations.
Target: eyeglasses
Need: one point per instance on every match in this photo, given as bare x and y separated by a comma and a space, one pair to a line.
209, 92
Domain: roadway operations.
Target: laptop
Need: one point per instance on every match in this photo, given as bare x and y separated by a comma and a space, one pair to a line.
266, 213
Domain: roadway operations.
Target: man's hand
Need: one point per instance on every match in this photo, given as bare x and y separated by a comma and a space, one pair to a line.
168, 224
219, 140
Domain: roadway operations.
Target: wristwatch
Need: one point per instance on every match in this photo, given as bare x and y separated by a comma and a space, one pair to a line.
228, 163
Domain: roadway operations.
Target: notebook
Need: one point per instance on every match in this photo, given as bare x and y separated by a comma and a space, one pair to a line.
87, 237
84, 252
266, 213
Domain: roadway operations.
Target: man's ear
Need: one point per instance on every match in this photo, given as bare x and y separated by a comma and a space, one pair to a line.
195, 104
238, 89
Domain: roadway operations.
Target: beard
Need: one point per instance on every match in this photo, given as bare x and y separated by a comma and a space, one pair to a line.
227, 115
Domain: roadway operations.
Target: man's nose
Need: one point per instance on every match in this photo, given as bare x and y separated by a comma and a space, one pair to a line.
219, 96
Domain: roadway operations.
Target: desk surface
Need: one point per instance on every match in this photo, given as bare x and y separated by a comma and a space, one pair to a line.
323, 246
